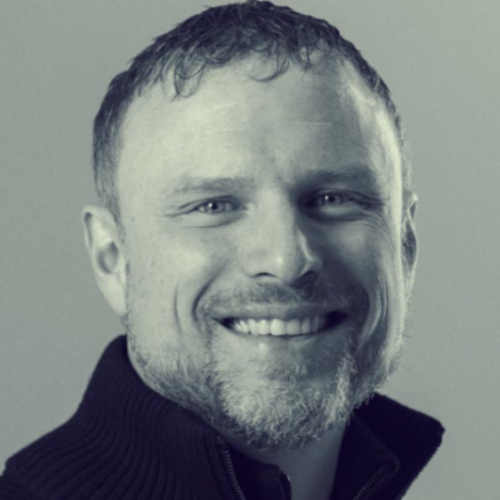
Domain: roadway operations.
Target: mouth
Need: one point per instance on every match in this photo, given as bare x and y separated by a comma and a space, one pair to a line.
293, 327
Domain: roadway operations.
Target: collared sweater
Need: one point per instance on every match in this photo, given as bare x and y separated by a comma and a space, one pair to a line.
125, 442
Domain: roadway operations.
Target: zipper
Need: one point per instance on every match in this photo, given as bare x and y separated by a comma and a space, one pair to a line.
373, 483
226, 458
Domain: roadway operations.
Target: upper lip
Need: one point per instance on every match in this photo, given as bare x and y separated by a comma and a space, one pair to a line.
284, 313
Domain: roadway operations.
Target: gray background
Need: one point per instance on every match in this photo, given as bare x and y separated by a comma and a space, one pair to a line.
441, 59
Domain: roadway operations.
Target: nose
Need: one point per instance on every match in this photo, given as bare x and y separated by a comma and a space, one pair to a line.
279, 247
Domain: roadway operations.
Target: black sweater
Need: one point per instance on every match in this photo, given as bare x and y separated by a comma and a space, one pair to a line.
125, 442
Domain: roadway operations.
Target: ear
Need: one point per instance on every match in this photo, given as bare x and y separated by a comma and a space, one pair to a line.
409, 234
107, 255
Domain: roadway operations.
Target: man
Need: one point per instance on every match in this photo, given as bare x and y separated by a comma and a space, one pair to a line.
257, 238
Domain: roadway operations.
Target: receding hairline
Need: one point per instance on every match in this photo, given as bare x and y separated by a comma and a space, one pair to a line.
217, 38
251, 68
335, 68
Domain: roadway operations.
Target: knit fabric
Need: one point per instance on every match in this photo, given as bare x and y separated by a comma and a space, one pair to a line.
125, 442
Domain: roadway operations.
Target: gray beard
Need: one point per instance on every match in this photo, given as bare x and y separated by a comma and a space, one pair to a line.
283, 415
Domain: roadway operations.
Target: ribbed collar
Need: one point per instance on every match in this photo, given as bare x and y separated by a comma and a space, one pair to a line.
125, 442
384, 448
365, 465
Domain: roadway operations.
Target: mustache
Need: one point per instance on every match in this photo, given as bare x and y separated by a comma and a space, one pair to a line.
318, 294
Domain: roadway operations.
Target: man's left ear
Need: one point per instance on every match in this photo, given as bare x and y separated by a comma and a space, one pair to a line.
409, 234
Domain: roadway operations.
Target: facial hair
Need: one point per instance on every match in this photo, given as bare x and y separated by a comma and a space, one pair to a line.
282, 411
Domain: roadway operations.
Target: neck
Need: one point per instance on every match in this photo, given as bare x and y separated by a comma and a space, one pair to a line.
310, 468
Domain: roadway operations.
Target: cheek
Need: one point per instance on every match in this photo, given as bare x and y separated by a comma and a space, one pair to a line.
168, 275
172, 270
372, 254
196, 258
180, 256
370, 247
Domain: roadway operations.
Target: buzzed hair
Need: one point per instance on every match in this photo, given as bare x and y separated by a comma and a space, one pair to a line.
218, 37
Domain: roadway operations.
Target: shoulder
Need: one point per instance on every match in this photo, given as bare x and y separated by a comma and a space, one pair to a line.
10, 490
30, 468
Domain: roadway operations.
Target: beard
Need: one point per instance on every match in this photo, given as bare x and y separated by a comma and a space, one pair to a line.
280, 409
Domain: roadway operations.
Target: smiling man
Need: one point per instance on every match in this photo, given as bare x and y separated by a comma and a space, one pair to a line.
256, 236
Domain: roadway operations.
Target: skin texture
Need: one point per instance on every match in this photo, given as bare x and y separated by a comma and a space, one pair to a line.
259, 200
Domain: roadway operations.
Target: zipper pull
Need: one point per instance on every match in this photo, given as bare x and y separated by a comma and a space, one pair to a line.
285, 486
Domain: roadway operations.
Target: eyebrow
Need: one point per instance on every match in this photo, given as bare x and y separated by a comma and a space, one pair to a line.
358, 172
211, 185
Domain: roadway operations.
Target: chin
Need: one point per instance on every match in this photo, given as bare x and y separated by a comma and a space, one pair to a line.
283, 413
288, 410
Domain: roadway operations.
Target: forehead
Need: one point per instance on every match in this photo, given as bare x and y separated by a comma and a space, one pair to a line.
234, 123
235, 93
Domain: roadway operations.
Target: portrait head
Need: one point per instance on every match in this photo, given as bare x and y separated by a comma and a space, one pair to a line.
256, 233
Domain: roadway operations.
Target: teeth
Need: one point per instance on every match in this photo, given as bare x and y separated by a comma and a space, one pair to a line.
306, 325
277, 327
263, 327
252, 326
293, 327
240, 326
316, 323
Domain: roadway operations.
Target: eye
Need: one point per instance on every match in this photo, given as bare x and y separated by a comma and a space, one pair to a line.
331, 199
325, 200
215, 207
335, 205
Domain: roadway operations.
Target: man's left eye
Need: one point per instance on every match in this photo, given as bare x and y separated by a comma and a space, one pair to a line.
332, 199
329, 200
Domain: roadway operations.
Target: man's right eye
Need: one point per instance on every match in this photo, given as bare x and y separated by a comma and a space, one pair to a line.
215, 207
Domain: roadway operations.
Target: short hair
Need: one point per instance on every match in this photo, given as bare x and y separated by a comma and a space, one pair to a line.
217, 37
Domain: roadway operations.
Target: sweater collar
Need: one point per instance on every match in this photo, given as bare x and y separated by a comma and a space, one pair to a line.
126, 441
384, 448
385, 445
118, 402
365, 465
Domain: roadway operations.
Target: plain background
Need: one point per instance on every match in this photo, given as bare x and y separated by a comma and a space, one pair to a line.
441, 60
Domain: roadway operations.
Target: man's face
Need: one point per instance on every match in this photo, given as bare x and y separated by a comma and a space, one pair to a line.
266, 288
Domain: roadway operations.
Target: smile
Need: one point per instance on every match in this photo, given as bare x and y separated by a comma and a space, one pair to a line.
278, 327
